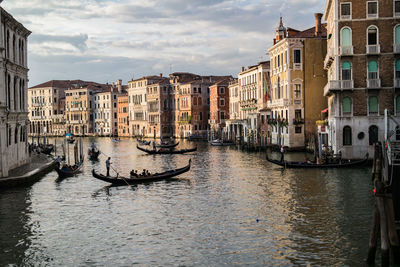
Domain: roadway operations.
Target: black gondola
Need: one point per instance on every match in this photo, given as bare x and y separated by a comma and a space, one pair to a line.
166, 150
67, 170
151, 178
46, 149
167, 145
339, 164
221, 143
93, 154
71, 140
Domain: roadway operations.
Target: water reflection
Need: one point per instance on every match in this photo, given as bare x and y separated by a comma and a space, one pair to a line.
232, 208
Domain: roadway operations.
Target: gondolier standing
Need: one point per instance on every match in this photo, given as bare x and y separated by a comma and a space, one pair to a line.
108, 163
282, 153
154, 146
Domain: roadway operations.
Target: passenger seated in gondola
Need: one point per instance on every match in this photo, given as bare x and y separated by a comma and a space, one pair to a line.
134, 173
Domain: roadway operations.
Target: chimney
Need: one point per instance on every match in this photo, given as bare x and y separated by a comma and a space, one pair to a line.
161, 75
242, 68
318, 27
119, 85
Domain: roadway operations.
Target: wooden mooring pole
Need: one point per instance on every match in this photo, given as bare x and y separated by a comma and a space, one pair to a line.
383, 221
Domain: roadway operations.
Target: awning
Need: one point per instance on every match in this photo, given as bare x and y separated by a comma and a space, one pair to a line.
324, 110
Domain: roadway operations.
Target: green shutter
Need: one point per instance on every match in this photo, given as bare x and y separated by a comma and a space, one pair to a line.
346, 103
397, 35
346, 40
346, 65
372, 66
373, 104
398, 65
398, 103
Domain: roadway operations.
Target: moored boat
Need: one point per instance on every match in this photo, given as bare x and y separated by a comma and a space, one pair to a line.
150, 178
69, 170
337, 164
93, 154
218, 142
166, 150
167, 145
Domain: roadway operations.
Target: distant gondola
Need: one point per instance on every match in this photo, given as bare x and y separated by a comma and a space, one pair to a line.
93, 155
221, 143
339, 164
66, 170
166, 151
71, 140
151, 178
167, 145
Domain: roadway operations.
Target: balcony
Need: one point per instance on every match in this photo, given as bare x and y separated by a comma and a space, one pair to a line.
297, 66
298, 121
373, 83
373, 49
396, 48
396, 83
338, 85
346, 50
282, 102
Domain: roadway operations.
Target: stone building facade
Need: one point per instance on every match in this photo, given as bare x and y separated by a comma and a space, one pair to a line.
123, 115
297, 82
13, 94
363, 64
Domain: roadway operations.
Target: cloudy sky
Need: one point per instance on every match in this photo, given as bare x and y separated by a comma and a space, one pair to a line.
106, 40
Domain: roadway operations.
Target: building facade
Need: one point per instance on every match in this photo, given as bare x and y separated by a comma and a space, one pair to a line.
363, 64
123, 115
297, 82
219, 108
13, 94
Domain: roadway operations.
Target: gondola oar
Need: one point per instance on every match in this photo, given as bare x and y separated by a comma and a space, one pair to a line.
115, 170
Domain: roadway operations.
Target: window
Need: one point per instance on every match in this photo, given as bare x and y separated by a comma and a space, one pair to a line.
397, 133
347, 138
297, 114
345, 37
297, 91
397, 37
373, 105
222, 102
346, 105
222, 115
397, 8
372, 70
397, 69
345, 10
372, 9
372, 35
398, 105
222, 90
346, 70
297, 129
199, 90
373, 134
296, 56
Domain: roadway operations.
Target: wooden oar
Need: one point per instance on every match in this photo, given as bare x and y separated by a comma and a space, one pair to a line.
120, 176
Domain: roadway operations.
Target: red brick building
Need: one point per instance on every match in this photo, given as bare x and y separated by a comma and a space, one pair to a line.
219, 107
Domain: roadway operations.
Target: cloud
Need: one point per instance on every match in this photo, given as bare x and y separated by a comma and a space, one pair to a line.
110, 39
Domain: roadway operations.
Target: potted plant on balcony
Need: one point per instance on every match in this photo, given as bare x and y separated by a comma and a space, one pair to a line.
283, 123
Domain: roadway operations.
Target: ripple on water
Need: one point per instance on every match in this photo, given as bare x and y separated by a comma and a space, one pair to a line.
232, 208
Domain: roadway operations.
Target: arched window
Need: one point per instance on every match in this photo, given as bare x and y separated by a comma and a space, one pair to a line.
398, 104
397, 38
199, 101
346, 105
347, 138
372, 69
195, 101
373, 134
397, 69
346, 70
373, 105
372, 35
345, 39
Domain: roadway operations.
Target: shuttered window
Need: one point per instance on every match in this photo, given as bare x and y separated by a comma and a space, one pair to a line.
346, 105
346, 37
372, 69
373, 105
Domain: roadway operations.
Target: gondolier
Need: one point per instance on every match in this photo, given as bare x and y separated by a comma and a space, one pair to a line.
108, 164
282, 153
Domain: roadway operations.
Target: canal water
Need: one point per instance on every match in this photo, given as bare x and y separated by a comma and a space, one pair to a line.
232, 208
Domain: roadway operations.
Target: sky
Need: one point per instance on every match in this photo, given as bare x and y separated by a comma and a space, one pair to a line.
106, 40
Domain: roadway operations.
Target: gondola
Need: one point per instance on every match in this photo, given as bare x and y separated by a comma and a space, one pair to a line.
93, 155
221, 143
46, 149
167, 145
66, 170
166, 151
71, 140
143, 142
151, 178
304, 165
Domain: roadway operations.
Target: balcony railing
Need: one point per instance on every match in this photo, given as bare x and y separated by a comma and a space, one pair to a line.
372, 15
396, 48
373, 49
373, 83
397, 82
341, 84
346, 50
297, 66
279, 103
